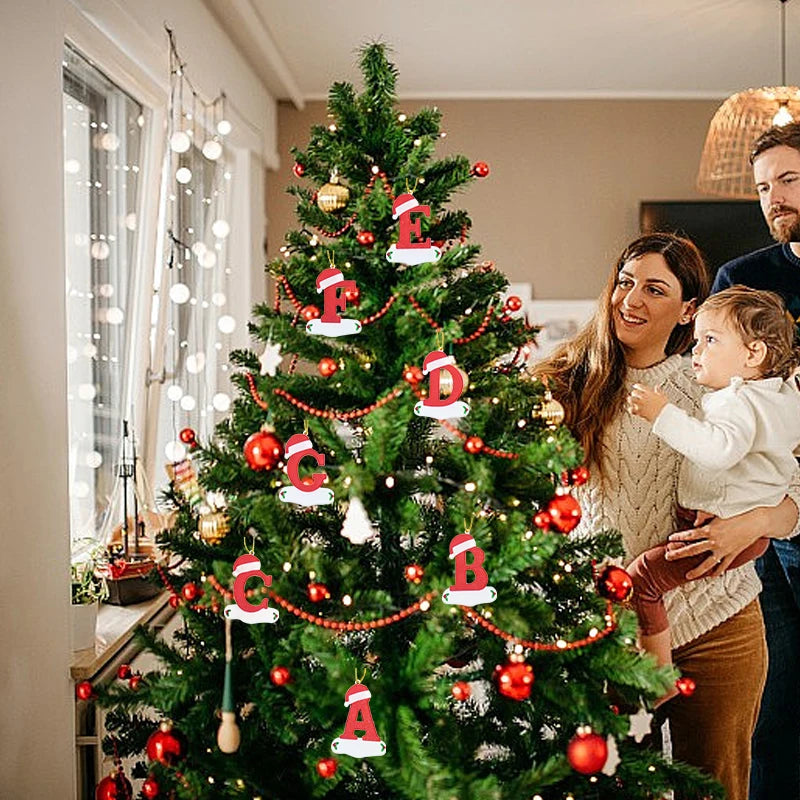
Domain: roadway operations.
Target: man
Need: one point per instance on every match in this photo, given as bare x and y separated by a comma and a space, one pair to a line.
775, 770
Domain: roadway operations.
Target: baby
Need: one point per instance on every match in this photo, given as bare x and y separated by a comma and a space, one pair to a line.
738, 451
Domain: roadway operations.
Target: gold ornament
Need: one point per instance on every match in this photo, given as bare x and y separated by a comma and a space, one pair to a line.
549, 410
213, 527
446, 382
333, 196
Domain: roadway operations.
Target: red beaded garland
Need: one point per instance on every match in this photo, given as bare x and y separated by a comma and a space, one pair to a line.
280, 676
365, 238
84, 690
513, 303
461, 691
327, 367
298, 169
565, 512
473, 445
514, 679
587, 753
326, 767
317, 592
262, 450
414, 573
309, 312
614, 583
686, 686
480, 169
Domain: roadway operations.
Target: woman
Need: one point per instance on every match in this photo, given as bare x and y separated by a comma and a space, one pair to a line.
642, 325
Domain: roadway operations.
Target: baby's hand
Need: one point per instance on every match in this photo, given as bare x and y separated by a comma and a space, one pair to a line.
646, 402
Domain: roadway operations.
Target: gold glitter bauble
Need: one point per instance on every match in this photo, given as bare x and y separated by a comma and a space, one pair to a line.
213, 527
333, 196
549, 410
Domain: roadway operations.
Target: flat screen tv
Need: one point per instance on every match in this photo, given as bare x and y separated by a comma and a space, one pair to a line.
722, 229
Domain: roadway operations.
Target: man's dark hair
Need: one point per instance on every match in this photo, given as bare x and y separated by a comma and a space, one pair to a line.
788, 135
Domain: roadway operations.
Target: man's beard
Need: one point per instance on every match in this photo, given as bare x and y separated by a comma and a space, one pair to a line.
785, 232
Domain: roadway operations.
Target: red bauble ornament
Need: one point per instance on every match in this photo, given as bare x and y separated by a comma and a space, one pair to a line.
317, 592
188, 436
365, 238
614, 583
461, 691
353, 296
412, 375
685, 686
298, 169
326, 767
150, 788
564, 511
167, 745
309, 312
114, 787
263, 450
587, 753
174, 601
514, 679
473, 445
414, 573
579, 475
280, 676
542, 520
134, 681
190, 592
84, 690
124, 672
327, 367
513, 303
480, 169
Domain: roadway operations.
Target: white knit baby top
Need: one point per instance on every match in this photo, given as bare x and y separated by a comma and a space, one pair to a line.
639, 498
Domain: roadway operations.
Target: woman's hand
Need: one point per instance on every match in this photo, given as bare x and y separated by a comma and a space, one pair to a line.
724, 539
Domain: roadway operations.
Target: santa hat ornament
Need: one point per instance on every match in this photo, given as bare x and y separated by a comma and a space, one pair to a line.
465, 592
359, 718
332, 283
434, 405
406, 251
303, 492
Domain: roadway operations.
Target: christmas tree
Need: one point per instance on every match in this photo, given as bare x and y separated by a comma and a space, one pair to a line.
391, 668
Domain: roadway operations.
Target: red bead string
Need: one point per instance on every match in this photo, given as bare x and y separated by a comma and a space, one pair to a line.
461, 240
120, 770
378, 314
423, 313
341, 231
479, 331
610, 626
251, 382
277, 305
464, 436
290, 292
342, 415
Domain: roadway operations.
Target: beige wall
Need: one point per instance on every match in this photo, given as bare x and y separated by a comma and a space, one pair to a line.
567, 177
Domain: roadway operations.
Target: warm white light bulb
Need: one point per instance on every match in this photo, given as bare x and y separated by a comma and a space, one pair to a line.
224, 127
218, 299
179, 293
174, 393
221, 401
183, 175
100, 250
188, 403
180, 142
175, 451
226, 323
114, 316
220, 229
212, 149
196, 363
208, 259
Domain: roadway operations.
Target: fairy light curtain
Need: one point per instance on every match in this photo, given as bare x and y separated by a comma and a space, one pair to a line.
198, 182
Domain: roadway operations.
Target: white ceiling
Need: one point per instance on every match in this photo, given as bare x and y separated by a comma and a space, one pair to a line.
519, 48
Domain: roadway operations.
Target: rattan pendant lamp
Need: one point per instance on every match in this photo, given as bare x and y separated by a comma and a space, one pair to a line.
725, 169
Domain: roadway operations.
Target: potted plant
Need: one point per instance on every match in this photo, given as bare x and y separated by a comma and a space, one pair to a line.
88, 590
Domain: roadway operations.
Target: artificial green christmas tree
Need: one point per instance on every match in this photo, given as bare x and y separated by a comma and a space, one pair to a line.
512, 698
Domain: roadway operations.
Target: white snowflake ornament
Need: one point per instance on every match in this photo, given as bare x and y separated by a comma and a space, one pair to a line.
270, 359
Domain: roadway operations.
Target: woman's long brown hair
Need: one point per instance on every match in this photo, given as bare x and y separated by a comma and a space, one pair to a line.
587, 373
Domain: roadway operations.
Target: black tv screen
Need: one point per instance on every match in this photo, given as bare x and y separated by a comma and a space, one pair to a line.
722, 229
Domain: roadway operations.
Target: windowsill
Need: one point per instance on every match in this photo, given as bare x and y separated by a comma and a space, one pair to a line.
114, 632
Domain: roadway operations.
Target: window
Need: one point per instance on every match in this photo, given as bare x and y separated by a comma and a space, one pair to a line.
104, 132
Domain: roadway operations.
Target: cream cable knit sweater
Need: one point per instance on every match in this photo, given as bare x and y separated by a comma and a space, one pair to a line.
639, 499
